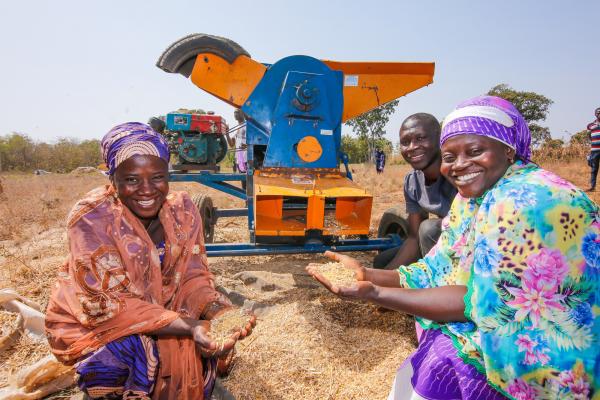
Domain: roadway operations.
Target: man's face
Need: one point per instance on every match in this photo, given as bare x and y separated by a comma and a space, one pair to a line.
598, 113
418, 147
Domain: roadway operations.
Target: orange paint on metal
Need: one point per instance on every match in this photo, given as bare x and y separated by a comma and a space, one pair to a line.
309, 149
315, 213
233, 83
368, 85
352, 205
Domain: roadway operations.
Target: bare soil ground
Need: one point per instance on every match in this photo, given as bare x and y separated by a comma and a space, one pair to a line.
307, 343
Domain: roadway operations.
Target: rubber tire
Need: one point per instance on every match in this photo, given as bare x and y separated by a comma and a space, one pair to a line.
222, 152
180, 56
207, 212
393, 222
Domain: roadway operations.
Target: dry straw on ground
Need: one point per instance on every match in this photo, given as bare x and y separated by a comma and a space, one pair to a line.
309, 345
322, 348
8, 322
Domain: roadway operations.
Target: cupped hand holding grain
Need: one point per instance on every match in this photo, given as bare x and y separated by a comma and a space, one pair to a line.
244, 329
231, 324
345, 277
348, 262
208, 346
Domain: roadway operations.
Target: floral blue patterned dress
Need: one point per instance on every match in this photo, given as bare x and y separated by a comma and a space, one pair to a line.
529, 252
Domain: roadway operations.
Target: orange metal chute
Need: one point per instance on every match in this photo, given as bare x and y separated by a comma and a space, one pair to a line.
233, 83
368, 85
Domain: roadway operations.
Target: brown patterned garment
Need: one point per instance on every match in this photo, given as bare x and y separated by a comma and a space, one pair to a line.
112, 285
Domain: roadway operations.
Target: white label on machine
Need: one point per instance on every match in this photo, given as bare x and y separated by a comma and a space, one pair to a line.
326, 132
350, 80
303, 179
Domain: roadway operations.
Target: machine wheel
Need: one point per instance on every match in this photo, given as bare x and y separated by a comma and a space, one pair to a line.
181, 55
393, 222
222, 150
205, 206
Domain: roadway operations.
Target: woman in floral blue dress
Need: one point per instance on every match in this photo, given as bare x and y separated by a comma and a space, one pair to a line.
510, 296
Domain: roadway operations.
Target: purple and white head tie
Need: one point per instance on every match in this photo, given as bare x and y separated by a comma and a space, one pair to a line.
129, 139
492, 117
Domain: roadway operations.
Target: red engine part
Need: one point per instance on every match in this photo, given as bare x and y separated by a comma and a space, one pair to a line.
206, 123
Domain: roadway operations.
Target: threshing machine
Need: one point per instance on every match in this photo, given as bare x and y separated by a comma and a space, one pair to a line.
297, 198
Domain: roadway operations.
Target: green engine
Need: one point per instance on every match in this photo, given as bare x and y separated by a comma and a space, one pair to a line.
196, 140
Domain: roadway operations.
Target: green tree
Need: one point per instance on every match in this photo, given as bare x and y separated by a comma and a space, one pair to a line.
18, 152
533, 106
553, 143
358, 149
581, 138
369, 126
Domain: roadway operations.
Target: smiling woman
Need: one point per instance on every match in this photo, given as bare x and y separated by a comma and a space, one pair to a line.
132, 305
508, 297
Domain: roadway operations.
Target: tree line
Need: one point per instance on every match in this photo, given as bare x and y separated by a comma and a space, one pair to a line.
18, 152
369, 130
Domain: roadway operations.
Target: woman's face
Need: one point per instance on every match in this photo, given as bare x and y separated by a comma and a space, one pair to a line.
474, 163
142, 184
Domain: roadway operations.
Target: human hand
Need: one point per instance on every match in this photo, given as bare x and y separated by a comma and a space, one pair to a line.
357, 289
246, 330
361, 290
208, 347
351, 263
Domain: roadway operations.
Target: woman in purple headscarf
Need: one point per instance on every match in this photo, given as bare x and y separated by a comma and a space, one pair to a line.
509, 297
131, 305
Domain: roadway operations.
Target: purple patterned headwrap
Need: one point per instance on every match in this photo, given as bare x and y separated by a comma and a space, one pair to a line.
129, 139
493, 117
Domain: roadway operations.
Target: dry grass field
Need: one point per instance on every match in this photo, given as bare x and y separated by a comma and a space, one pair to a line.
307, 344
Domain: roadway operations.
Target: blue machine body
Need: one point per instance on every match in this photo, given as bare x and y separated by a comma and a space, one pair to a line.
298, 96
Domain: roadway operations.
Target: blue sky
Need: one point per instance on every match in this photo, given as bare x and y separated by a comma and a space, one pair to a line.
76, 68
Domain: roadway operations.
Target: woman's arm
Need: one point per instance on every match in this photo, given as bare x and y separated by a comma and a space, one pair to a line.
440, 304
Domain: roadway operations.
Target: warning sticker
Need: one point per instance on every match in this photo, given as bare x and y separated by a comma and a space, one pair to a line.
303, 179
350, 80
326, 132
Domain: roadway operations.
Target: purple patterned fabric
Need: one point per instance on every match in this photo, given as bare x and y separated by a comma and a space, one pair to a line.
130, 139
439, 373
470, 118
126, 369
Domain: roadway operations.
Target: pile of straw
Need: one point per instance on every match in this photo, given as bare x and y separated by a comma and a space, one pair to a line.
8, 322
321, 348
25, 352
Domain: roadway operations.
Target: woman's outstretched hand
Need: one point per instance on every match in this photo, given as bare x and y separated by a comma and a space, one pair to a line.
362, 289
208, 347
245, 330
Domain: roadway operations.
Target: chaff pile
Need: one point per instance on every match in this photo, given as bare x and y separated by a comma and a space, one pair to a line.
24, 352
323, 348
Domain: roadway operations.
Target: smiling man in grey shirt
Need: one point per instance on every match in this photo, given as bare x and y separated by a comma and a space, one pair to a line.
426, 191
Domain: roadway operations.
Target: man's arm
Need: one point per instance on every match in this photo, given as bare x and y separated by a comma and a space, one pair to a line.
409, 251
